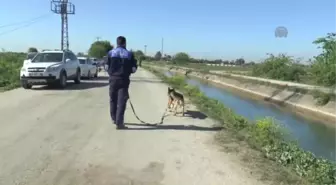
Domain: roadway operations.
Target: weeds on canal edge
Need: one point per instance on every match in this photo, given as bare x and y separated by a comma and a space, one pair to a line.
264, 135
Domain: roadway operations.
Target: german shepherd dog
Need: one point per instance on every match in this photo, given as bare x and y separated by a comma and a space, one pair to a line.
175, 99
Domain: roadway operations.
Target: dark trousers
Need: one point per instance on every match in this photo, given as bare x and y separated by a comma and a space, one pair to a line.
118, 99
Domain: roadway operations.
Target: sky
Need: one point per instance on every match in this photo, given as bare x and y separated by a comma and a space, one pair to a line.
204, 29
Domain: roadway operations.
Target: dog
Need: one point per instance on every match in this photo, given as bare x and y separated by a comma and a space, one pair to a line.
175, 99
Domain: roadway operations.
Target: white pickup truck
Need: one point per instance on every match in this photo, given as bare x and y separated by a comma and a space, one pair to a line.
51, 67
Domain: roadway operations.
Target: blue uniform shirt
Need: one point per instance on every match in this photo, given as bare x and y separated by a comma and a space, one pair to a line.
120, 63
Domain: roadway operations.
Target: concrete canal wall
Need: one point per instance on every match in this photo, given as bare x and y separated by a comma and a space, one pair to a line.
278, 92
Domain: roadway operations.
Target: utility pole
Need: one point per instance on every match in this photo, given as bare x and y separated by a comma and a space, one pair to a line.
145, 49
64, 8
162, 47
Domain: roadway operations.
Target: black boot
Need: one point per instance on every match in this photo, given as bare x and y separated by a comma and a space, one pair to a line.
121, 127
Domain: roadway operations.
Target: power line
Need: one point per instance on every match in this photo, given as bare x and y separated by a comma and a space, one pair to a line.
26, 21
23, 26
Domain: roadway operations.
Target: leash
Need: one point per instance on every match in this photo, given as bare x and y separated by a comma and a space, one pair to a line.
146, 123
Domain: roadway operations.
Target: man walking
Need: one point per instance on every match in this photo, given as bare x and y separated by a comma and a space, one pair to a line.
121, 64
140, 61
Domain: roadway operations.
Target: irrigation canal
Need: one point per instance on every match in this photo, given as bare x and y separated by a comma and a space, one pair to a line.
313, 136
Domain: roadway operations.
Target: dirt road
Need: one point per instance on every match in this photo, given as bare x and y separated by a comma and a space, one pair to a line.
65, 137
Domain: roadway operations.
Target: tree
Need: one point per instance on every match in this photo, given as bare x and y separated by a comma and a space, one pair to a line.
149, 58
218, 61
158, 55
167, 57
99, 49
323, 68
240, 61
280, 67
181, 57
80, 54
226, 62
32, 50
139, 55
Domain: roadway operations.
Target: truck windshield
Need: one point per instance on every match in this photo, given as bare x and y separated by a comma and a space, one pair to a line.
48, 57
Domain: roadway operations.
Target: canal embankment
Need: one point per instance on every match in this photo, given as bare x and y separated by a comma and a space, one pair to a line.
308, 101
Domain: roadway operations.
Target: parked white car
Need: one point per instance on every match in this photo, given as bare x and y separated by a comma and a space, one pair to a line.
88, 67
51, 67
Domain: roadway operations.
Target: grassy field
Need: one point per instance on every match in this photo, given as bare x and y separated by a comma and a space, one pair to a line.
10, 64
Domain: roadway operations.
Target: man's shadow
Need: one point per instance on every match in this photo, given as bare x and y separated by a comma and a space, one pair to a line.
171, 127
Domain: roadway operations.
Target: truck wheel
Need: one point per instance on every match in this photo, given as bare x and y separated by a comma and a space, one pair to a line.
62, 80
77, 80
26, 85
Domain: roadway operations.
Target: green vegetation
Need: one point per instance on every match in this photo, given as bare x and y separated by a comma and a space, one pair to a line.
32, 50
99, 49
10, 64
321, 70
321, 98
81, 54
180, 58
264, 135
139, 55
158, 55
280, 67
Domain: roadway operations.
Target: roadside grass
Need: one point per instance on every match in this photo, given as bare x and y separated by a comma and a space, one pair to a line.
268, 150
10, 64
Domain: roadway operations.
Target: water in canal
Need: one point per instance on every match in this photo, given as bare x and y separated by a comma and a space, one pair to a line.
311, 135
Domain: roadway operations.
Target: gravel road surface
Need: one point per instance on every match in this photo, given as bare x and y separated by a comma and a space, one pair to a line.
66, 137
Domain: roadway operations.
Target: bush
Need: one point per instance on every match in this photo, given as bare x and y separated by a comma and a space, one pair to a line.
281, 67
181, 58
264, 135
10, 64
322, 98
323, 69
